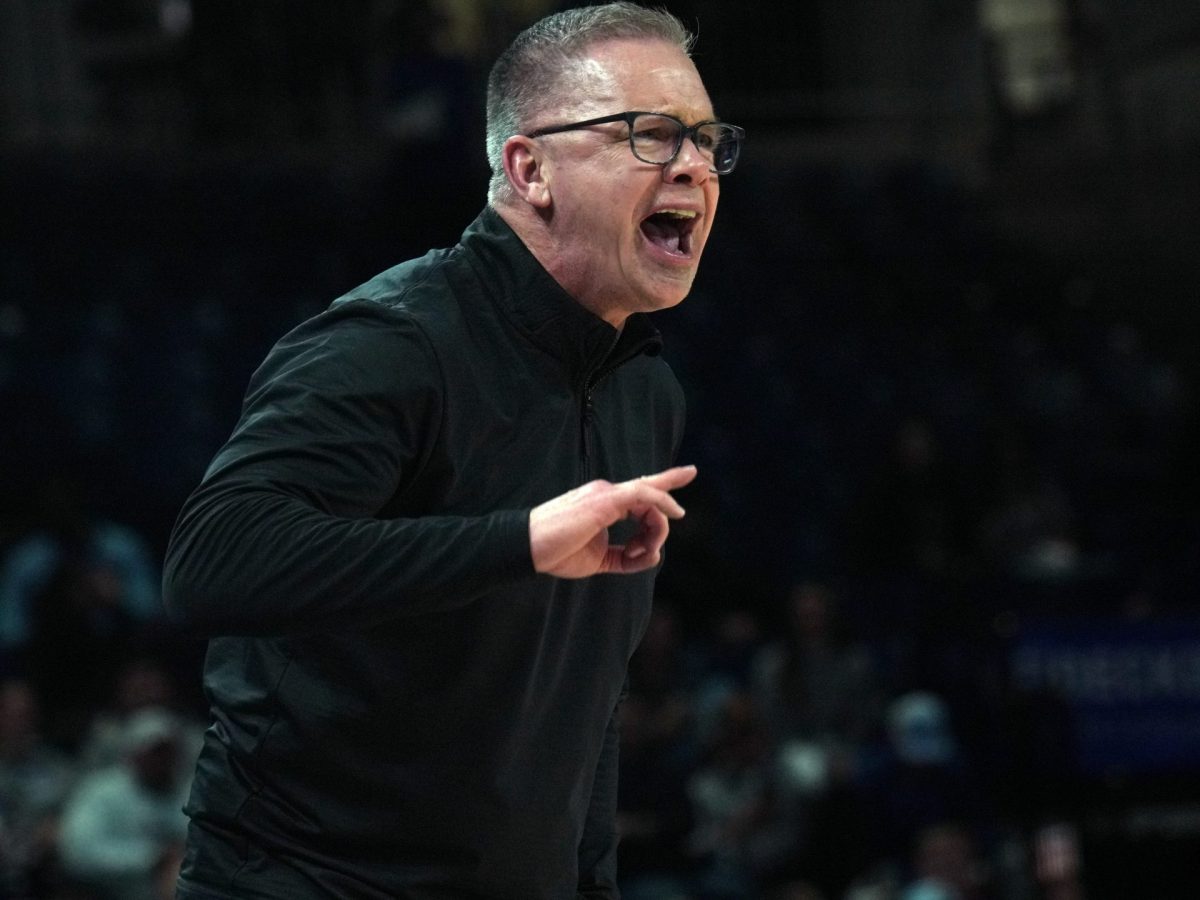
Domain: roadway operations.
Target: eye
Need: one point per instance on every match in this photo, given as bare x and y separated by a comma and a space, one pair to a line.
654, 130
658, 133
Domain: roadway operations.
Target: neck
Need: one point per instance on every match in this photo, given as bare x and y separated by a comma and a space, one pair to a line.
534, 231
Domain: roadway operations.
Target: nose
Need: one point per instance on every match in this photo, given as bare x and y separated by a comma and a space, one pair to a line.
689, 166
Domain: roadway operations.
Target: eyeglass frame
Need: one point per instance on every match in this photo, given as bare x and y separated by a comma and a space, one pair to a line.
628, 117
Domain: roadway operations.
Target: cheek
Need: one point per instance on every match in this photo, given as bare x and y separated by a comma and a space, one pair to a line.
605, 216
711, 206
714, 196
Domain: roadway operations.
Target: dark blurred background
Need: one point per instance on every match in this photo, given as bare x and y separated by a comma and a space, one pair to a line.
931, 619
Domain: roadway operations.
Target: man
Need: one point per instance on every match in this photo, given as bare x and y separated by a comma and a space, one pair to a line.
420, 620
122, 828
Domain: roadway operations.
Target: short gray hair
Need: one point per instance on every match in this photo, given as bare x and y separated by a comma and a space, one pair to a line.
525, 79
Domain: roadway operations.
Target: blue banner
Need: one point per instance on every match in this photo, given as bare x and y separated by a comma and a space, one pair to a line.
1133, 689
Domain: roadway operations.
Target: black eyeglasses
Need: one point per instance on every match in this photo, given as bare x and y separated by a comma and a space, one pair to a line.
656, 138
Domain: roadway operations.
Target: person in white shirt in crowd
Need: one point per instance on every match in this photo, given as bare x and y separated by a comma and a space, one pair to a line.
122, 830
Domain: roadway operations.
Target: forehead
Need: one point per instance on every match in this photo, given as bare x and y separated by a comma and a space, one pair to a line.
648, 75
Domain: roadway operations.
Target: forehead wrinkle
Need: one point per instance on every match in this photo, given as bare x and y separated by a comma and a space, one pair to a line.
590, 83
603, 82
681, 91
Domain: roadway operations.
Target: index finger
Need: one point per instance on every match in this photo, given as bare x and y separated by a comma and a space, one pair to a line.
669, 479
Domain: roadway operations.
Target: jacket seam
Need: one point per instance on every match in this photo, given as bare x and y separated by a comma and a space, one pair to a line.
413, 320
256, 790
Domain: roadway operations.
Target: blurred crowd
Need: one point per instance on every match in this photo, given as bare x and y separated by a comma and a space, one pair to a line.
805, 761
97, 739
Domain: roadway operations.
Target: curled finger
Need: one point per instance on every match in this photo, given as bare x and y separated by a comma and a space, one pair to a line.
650, 537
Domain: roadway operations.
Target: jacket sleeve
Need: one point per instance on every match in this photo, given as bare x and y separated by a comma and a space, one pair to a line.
598, 847
282, 536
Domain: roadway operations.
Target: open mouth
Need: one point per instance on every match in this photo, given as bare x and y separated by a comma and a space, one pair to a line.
671, 230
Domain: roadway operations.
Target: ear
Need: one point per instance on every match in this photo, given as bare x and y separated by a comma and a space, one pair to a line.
527, 172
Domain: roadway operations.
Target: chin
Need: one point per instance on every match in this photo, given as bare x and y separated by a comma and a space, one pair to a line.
665, 300
673, 292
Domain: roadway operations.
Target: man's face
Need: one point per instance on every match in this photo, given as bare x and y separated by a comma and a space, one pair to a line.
615, 249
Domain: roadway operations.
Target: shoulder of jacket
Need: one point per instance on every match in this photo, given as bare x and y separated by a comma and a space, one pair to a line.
414, 288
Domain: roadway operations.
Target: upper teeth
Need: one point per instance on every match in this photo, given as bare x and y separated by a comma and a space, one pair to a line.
678, 213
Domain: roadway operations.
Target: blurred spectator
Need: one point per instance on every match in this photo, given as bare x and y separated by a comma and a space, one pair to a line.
739, 836
738, 638
823, 702
946, 866
123, 827
113, 558
658, 751
428, 89
1057, 866
665, 667
79, 637
141, 683
74, 594
34, 781
877, 882
924, 781
1031, 531
735, 638
817, 687
431, 110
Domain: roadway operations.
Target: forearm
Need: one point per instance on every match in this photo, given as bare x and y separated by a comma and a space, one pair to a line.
248, 559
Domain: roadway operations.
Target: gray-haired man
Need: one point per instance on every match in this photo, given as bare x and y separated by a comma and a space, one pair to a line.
427, 551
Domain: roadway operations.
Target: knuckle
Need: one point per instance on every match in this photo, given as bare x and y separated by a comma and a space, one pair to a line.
592, 488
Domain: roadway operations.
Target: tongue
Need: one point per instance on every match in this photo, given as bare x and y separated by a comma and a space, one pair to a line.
664, 236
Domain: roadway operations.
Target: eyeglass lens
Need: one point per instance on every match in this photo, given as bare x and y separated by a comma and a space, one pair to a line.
656, 139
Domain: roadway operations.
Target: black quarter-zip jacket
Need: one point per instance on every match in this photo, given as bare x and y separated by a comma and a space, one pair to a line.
401, 706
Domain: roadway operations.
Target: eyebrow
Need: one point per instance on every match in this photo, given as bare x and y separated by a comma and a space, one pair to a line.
676, 113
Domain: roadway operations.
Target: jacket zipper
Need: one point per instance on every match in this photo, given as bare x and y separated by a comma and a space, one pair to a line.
586, 425
586, 412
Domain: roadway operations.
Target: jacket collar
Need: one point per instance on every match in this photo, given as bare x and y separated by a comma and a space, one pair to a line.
537, 305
